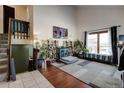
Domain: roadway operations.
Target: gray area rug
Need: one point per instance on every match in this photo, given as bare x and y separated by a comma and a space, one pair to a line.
94, 73
84, 63
106, 81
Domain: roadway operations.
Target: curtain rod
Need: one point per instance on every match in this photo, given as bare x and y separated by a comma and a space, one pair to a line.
103, 28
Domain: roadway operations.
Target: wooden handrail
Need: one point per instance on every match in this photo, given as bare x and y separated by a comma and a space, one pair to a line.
9, 49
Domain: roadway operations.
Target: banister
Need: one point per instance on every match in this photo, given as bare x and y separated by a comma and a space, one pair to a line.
21, 30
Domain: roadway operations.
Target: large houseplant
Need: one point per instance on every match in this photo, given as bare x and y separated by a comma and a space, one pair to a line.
45, 50
79, 47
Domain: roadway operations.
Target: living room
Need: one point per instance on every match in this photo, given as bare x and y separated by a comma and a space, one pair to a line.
84, 19
85, 32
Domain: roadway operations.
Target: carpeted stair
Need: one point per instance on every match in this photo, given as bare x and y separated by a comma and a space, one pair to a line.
3, 57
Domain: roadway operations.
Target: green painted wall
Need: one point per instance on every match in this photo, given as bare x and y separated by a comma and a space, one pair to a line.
21, 54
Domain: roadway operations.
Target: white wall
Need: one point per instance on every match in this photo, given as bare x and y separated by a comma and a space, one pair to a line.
45, 17
95, 17
21, 12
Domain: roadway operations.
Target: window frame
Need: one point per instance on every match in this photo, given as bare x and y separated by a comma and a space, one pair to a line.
98, 38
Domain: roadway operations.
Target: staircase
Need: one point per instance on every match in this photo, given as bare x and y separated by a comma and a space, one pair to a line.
19, 30
3, 57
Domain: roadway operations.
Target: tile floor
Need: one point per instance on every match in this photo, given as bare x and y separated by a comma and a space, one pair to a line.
32, 79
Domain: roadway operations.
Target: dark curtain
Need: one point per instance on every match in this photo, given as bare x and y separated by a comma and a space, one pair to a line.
114, 45
85, 38
121, 64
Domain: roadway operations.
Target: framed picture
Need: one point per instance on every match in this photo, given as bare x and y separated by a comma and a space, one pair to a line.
59, 32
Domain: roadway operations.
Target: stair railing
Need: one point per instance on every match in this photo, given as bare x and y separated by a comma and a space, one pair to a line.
19, 30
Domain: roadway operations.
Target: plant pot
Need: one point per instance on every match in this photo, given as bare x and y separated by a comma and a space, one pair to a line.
48, 62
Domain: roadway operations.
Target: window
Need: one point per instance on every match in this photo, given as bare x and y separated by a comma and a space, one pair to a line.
92, 43
98, 42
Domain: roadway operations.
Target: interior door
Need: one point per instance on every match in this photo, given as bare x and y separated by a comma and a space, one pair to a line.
8, 12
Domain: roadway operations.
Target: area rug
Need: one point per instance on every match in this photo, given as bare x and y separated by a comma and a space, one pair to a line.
106, 81
84, 63
94, 73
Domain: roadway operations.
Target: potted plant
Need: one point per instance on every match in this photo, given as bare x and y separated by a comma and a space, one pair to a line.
46, 51
79, 48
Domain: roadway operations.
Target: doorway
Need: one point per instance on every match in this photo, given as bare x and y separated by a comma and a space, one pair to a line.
8, 12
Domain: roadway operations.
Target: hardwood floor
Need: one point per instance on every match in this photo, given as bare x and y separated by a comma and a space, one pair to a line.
60, 79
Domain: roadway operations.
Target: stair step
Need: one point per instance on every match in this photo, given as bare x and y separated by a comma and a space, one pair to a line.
3, 55
3, 61
3, 50
3, 45
3, 37
4, 69
1, 34
3, 41
3, 66
3, 76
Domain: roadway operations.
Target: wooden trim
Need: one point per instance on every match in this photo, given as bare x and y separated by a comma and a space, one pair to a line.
9, 49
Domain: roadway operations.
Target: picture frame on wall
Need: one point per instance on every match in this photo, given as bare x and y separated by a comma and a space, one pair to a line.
60, 33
